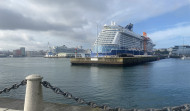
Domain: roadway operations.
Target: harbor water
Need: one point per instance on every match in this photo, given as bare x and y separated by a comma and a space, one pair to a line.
151, 85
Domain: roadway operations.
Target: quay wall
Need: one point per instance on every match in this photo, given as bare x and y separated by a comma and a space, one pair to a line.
139, 60
98, 61
123, 61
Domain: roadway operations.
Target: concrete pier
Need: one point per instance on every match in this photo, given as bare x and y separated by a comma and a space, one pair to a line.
114, 61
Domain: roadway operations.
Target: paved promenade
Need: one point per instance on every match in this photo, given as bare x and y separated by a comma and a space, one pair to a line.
8, 104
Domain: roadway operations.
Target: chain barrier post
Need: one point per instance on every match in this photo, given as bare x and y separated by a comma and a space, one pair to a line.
33, 96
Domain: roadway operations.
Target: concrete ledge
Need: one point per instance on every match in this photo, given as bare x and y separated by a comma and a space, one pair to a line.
8, 104
6, 109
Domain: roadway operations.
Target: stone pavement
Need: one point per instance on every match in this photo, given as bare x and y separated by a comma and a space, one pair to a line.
9, 104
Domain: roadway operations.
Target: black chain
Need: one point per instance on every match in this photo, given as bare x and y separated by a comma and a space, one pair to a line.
77, 99
15, 86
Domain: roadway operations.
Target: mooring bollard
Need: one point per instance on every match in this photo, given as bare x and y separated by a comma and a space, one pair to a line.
33, 96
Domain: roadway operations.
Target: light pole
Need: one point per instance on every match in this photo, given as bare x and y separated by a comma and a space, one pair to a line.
116, 51
97, 41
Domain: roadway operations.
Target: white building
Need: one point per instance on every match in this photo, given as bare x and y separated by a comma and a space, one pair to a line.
181, 50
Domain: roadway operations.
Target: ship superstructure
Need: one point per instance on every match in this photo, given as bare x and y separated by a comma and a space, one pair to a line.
115, 39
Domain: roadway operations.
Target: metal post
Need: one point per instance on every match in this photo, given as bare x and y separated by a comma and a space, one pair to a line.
75, 52
97, 40
33, 97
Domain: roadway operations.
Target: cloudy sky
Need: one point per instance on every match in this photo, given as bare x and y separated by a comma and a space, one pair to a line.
34, 23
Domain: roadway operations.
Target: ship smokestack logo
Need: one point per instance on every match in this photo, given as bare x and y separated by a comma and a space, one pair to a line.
130, 27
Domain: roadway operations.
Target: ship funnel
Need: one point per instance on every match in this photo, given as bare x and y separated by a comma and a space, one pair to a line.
130, 27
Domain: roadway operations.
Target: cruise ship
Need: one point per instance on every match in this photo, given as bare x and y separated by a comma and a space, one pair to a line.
115, 40
64, 51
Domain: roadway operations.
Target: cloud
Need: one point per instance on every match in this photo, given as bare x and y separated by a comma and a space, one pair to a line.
10, 40
12, 20
66, 14
72, 22
138, 10
172, 36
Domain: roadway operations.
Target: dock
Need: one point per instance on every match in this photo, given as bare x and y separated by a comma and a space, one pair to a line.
114, 61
